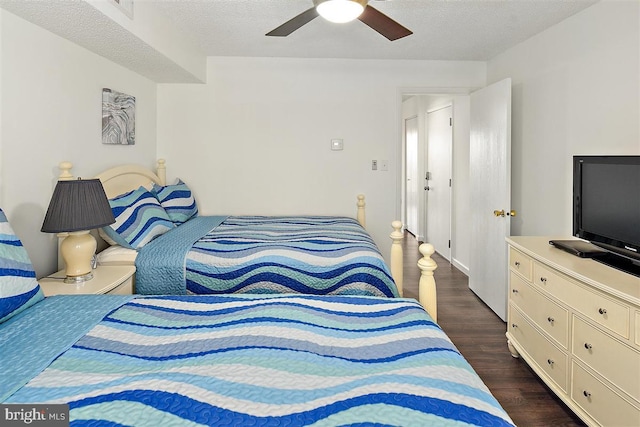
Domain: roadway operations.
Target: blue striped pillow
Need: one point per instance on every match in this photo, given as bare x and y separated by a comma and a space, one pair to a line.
139, 219
19, 288
177, 200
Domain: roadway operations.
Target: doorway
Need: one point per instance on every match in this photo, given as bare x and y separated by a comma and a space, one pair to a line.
469, 252
418, 110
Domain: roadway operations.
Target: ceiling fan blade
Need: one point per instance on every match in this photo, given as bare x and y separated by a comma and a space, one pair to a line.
293, 24
383, 24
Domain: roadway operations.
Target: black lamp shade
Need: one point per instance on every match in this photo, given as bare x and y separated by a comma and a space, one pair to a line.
77, 205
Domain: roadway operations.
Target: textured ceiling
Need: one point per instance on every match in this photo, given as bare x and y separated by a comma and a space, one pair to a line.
443, 29
79, 22
472, 30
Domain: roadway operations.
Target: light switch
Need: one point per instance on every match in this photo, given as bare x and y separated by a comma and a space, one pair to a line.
337, 144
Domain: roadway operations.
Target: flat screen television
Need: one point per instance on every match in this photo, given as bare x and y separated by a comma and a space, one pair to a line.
606, 207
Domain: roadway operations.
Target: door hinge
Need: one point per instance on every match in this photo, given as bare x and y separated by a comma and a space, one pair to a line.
450, 121
449, 182
449, 244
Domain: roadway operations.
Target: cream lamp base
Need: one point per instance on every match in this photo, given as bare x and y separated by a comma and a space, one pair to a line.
77, 250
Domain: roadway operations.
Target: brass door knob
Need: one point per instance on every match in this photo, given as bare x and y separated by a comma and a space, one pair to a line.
503, 213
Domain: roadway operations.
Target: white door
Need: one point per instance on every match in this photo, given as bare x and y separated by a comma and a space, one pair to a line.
490, 179
438, 183
411, 138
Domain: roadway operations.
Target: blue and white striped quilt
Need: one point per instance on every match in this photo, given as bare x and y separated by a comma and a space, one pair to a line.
286, 254
266, 360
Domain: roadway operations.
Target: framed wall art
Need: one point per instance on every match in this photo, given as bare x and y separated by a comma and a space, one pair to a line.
118, 118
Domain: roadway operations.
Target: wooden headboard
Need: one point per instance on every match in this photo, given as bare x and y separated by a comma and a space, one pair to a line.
121, 179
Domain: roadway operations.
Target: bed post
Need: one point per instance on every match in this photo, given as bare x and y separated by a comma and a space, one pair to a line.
427, 287
396, 255
65, 171
161, 171
361, 217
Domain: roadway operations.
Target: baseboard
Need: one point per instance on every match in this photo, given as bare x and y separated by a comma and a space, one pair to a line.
460, 267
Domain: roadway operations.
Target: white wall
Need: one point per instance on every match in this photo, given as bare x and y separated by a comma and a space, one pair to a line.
256, 138
51, 111
461, 227
576, 90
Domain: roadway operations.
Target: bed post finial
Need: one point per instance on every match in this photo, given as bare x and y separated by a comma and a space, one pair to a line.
65, 171
161, 171
427, 287
361, 215
396, 255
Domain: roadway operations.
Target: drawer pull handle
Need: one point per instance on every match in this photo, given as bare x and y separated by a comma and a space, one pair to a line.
515, 291
602, 311
586, 394
550, 362
517, 263
513, 325
550, 319
588, 346
543, 280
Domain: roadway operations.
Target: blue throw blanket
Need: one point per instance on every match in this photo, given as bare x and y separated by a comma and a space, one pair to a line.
160, 264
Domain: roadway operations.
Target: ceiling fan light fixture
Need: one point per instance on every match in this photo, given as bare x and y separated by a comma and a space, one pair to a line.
340, 11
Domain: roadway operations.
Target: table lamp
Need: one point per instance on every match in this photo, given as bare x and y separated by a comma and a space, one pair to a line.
76, 207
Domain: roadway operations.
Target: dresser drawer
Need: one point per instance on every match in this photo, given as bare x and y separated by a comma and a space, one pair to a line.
600, 402
549, 316
546, 355
608, 357
520, 262
605, 311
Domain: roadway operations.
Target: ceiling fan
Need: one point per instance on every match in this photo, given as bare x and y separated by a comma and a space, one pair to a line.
344, 11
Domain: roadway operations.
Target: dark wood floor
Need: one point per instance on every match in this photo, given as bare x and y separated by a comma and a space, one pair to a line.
479, 335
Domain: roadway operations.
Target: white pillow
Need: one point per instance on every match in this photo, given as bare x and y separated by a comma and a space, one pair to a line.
106, 237
117, 255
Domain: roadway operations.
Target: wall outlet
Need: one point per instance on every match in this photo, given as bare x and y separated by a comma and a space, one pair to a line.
374, 165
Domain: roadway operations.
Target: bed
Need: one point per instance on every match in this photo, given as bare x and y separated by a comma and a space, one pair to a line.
252, 360
363, 273
247, 254
234, 359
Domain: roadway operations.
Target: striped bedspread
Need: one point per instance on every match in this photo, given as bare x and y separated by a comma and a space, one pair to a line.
266, 360
307, 255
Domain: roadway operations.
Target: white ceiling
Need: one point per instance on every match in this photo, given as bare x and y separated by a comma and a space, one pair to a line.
442, 29
470, 30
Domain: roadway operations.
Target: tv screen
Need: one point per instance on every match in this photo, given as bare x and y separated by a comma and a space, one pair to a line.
607, 202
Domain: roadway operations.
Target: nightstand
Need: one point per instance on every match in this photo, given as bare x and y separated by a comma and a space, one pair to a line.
107, 279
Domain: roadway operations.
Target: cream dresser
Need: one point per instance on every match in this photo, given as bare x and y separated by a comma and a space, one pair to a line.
576, 322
